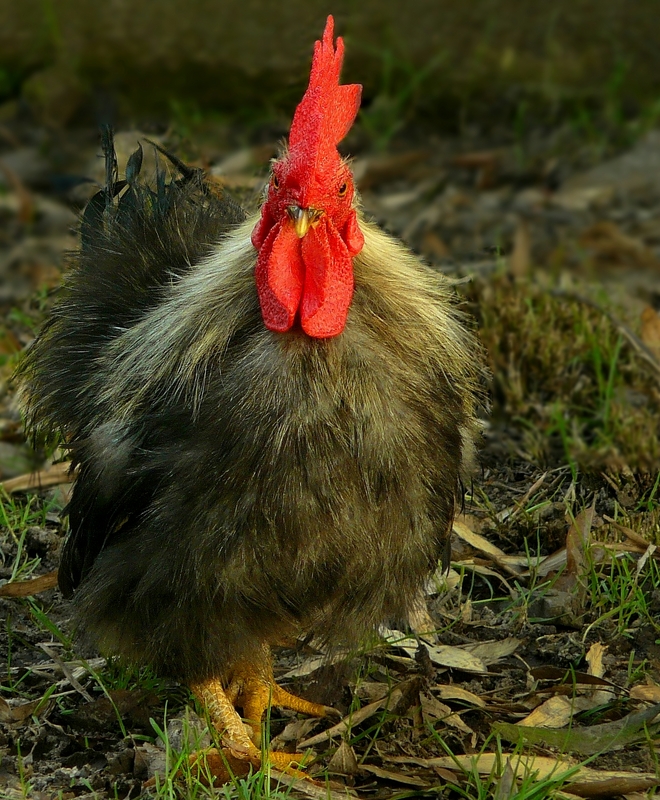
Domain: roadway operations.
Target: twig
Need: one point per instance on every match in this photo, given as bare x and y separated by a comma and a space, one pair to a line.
520, 504
30, 587
53, 476
68, 674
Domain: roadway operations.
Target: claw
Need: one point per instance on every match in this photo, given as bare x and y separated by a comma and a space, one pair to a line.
216, 767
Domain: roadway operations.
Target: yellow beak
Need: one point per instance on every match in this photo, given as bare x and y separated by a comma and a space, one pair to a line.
302, 222
303, 218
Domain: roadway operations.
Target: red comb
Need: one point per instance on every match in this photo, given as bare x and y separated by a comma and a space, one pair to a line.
327, 110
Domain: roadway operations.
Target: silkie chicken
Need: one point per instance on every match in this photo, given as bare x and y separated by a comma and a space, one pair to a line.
270, 417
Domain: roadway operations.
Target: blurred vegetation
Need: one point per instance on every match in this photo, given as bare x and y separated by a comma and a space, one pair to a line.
447, 63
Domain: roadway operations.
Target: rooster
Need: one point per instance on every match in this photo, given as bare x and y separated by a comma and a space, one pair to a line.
270, 417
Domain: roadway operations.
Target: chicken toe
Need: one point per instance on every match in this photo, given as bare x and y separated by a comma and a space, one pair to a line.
252, 688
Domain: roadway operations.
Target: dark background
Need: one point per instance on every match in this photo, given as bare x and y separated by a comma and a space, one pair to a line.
444, 61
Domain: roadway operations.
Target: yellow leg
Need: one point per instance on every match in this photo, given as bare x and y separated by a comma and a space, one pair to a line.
223, 716
253, 688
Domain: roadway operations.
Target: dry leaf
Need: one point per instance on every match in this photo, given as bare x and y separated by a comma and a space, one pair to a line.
442, 581
457, 658
473, 523
576, 542
586, 741
371, 691
504, 786
648, 553
344, 761
613, 786
296, 730
492, 652
556, 712
510, 513
479, 569
584, 781
649, 693
594, 659
552, 563
454, 692
395, 777
312, 663
573, 579
446, 774
476, 540
305, 786
400, 639
21, 712
356, 718
569, 676
434, 711
634, 537
650, 333
443, 655
480, 543
598, 697
419, 619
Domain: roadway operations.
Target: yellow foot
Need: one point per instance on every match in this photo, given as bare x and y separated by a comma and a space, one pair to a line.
252, 688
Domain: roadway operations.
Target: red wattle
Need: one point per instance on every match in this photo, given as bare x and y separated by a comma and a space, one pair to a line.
312, 275
352, 235
262, 228
328, 281
279, 275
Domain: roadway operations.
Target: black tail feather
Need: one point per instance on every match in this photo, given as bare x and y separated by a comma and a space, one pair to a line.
136, 240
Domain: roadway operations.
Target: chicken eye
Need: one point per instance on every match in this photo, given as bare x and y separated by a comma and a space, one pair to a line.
276, 182
343, 189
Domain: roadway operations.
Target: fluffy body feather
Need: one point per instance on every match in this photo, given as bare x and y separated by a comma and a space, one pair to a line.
238, 485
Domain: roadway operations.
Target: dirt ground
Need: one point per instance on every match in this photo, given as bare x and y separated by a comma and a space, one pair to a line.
544, 635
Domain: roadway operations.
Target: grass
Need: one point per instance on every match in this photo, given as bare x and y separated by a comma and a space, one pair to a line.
502, 782
195, 781
17, 517
619, 601
564, 384
119, 675
621, 590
